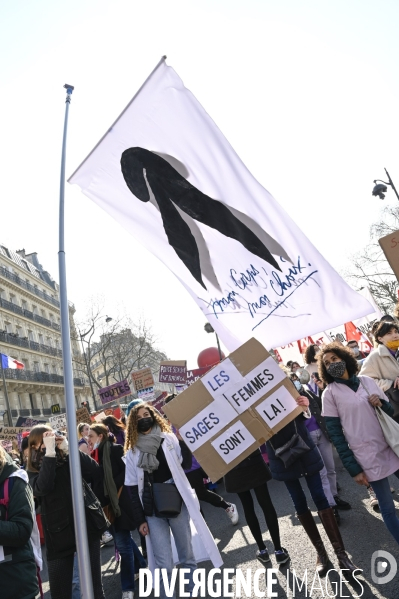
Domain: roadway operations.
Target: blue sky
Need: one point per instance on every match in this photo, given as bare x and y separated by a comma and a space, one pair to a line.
306, 92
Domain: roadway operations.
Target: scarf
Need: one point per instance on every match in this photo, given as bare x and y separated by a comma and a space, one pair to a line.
352, 382
110, 489
148, 445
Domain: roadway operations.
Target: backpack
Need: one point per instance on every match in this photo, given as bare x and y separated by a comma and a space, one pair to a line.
5, 492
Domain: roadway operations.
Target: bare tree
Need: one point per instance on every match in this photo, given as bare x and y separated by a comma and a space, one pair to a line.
369, 268
113, 348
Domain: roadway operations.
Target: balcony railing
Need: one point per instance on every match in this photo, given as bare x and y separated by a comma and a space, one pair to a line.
38, 377
28, 314
16, 279
21, 342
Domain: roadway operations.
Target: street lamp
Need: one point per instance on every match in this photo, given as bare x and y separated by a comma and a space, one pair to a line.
82, 336
209, 329
380, 188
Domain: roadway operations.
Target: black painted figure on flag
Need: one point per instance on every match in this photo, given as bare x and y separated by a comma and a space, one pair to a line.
174, 195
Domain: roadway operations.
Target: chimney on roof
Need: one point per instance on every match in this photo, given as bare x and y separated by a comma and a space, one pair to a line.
21, 253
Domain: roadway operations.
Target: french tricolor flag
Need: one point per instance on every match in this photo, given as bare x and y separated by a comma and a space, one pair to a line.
8, 362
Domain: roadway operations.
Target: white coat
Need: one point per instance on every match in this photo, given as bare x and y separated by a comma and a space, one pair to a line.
204, 546
381, 366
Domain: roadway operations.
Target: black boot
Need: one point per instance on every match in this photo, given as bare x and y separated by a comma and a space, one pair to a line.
323, 562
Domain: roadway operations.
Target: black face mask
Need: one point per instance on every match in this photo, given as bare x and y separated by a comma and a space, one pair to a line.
144, 424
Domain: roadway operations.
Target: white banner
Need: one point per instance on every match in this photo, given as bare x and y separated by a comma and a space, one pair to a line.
169, 176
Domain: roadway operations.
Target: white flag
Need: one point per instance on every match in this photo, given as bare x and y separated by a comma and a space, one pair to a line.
169, 176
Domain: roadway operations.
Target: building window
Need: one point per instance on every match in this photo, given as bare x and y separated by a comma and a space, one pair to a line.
36, 366
43, 313
31, 336
32, 405
49, 341
24, 304
34, 309
54, 368
25, 264
6, 252
41, 339
13, 299
20, 332
8, 327
46, 368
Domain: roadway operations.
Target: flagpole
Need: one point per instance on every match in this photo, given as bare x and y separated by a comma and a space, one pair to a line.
6, 396
86, 584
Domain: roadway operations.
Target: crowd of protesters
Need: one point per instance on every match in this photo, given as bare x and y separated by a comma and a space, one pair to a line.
143, 477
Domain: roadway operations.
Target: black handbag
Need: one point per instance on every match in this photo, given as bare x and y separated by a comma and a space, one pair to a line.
291, 451
95, 516
393, 397
167, 500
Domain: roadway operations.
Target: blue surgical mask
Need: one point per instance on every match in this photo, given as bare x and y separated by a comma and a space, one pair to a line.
96, 445
297, 385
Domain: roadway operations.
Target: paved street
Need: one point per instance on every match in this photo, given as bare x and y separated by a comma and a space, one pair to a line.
362, 529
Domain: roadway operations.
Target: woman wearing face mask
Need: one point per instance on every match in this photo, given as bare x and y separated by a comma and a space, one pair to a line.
308, 466
318, 432
349, 403
111, 492
382, 365
83, 431
154, 456
49, 477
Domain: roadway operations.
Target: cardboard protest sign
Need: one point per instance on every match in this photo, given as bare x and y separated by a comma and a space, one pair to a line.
173, 372
99, 417
194, 375
390, 246
114, 392
82, 415
146, 394
234, 408
58, 422
29, 422
143, 379
7, 445
9, 433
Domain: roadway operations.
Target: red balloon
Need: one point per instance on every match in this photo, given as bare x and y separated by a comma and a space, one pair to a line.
209, 357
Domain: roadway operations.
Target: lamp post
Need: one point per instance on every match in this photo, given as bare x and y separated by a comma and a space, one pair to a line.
380, 188
82, 336
209, 329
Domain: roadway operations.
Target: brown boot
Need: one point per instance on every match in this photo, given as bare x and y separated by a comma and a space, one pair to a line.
330, 525
323, 562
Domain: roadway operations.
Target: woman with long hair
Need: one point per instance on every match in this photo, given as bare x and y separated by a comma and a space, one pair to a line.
49, 476
17, 520
117, 428
83, 431
156, 459
349, 408
111, 492
308, 466
311, 365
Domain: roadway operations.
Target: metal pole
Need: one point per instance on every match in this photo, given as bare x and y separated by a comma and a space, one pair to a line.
6, 396
391, 183
220, 351
86, 584
88, 373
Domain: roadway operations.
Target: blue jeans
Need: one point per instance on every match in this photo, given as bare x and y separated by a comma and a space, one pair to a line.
383, 493
124, 544
298, 497
161, 545
75, 579
139, 561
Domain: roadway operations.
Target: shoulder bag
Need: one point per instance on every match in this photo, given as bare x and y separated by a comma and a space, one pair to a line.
390, 428
291, 451
167, 500
94, 512
109, 512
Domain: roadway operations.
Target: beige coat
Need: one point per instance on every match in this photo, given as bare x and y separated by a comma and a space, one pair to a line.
382, 367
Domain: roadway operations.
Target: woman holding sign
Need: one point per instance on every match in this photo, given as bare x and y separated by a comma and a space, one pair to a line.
292, 456
162, 498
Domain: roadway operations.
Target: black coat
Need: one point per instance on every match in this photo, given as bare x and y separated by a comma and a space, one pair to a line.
309, 463
315, 409
126, 520
248, 474
52, 487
